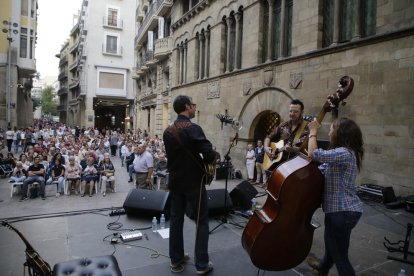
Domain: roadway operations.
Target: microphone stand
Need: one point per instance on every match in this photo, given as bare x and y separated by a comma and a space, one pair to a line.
227, 159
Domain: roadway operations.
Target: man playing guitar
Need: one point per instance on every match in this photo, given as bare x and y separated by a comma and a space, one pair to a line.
292, 133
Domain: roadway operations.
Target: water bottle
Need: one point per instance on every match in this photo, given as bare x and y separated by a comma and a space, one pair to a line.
154, 224
402, 272
254, 203
162, 221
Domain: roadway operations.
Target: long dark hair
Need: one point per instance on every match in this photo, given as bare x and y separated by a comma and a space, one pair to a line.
348, 134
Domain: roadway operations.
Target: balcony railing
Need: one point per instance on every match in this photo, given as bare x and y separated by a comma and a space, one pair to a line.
62, 75
119, 24
73, 84
163, 47
76, 27
158, 8
163, 6
147, 18
118, 51
63, 60
62, 91
74, 64
74, 46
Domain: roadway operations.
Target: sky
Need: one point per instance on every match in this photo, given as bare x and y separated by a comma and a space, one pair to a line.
55, 21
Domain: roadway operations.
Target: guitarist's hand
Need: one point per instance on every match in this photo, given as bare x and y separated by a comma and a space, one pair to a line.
290, 149
269, 152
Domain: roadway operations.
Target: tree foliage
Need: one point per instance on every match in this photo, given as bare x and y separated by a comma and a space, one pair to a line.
49, 106
36, 103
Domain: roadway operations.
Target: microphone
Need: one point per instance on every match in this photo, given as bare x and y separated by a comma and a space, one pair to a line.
236, 138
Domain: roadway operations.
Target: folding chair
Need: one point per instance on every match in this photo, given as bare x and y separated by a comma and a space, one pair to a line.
14, 185
6, 169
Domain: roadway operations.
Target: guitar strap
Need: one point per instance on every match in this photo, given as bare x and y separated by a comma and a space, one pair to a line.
299, 131
173, 129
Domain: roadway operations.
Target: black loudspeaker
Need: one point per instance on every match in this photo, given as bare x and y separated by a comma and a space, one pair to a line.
220, 173
215, 203
147, 203
242, 195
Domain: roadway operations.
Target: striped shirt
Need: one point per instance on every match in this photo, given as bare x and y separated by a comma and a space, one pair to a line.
340, 170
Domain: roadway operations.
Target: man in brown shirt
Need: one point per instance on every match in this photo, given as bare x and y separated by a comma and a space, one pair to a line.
287, 132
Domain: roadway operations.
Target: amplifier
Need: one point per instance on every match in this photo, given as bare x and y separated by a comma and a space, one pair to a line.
376, 193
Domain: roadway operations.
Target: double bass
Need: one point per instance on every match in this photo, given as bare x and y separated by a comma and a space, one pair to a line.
279, 236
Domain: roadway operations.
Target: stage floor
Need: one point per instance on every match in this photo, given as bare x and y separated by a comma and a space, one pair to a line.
72, 227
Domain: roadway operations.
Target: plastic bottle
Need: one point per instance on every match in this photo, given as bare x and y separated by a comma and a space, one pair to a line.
154, 224
254, 203
402, 272
162, 221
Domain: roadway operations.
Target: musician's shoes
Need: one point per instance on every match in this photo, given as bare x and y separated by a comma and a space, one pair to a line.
179, 267
314, 263
23, 198
130, 180
206, 270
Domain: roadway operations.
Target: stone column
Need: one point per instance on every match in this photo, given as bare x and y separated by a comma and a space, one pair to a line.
229, 21
180, 71
270, 35
200, 55
336, 22
207, 51
357, 34
185, 63
237, 16
282, 29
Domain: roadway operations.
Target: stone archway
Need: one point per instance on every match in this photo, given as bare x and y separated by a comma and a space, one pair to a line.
260, 108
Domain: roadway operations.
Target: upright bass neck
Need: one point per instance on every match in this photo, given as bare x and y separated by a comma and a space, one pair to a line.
345, 87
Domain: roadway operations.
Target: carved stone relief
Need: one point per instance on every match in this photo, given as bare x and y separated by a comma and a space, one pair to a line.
213, 90
268, 76
295, 80
247, 86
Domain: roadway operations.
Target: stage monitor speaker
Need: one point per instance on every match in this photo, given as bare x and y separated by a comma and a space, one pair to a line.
147, 203
242, 195
215, 203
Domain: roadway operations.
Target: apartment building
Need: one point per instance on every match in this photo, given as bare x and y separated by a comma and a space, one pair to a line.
100, 90
63, 89
248, 59
153, 47
17, 61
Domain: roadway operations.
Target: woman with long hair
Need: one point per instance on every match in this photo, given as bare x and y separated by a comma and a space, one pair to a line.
341, 205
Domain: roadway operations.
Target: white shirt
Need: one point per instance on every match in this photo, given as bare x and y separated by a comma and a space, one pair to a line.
143, 162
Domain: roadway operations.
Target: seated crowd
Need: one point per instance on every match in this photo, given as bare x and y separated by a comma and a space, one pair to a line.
81, 158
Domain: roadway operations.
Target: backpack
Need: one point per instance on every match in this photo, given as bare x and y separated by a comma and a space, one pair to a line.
19, 136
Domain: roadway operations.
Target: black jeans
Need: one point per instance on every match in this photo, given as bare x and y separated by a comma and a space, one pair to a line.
338, 228
178, 205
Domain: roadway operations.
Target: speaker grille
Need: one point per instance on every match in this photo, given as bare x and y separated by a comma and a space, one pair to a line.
141, 202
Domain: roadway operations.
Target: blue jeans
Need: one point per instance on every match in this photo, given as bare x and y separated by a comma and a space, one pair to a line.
338, 228
131, 170
61, 179
31, 180
178, 204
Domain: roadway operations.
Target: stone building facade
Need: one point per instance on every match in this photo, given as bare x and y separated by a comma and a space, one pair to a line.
100, 58
248, 59
17, 61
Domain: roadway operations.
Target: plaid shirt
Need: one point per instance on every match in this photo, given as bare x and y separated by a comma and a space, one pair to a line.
340, 170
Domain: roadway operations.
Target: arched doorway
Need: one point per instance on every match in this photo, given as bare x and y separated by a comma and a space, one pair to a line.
264, 123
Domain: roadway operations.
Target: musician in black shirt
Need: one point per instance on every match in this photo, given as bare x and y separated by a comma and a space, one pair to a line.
184, 142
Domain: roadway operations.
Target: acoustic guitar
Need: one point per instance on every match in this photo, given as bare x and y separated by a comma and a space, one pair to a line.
278, 148
276, 152
33, 259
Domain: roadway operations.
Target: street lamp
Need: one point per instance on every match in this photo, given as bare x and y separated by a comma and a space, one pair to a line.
9, 28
